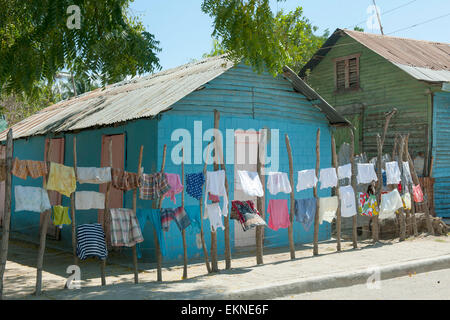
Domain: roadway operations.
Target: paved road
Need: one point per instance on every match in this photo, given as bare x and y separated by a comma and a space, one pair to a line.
432, 285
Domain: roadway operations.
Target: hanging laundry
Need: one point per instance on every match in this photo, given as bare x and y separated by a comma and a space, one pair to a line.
368, 205
166, 218
279, 214
154, 216
250, 183
85, 200
215, 183
406, 199
94, 175
305, 211
62, 179
390, 203
278, 182
175, 185
328, 178
247, 214
125, 230
60, 216
181, 218
31, 199
153, 186
417, 193
393, 175
124, 180
345, 171
306, 179
366, 173
348, 202
25, 168
407, 172
91, 241
194, 184
384, 178
213, 198
214, 214
327, 209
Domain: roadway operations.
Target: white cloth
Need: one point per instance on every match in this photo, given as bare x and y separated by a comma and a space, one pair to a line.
306, 179
278, 182
94, 175
250, 183
366, 173
215, 184
345, 171
328, 178
85, 200
327, 209
348, 202
390, 202
215, 216
392, 173
31, 199
406, 197
407, 172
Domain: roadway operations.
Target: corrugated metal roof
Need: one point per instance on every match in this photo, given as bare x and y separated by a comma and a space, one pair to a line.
137, 98
423, 60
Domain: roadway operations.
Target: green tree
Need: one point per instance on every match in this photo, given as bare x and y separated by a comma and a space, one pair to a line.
36, 43
250, 32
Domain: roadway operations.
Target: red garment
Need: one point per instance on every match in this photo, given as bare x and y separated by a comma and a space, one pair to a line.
417, 193
279, 214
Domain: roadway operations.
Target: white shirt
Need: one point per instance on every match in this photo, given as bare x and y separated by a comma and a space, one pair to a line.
250, 183
33, 199
327, 209
345, 171
215, 184
392, 173
366, 173
94, 175
306, 179
278, 182
390, 202
85, 200
328, 178
348, 202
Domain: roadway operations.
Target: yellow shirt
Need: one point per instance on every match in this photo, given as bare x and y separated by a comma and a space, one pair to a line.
61, 179
61, 215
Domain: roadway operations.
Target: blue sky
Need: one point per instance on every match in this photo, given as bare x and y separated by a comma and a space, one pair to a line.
184, 31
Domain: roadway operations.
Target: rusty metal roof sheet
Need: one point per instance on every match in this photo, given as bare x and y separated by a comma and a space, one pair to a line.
423, 60
136, 98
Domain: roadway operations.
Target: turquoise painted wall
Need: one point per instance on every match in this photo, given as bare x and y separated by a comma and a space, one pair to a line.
441, 153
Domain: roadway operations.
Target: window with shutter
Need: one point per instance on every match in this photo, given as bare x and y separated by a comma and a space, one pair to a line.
347, 73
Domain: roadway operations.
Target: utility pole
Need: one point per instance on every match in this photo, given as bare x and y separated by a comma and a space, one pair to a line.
378, 16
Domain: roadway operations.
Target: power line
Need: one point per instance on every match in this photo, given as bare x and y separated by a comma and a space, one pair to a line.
420, 23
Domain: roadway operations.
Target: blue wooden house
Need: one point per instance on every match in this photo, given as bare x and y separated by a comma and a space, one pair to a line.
158, 110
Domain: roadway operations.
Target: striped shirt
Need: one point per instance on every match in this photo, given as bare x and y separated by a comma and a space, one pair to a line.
91, 241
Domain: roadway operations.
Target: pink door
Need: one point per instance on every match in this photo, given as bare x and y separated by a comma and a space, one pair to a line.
56, 154
118, 159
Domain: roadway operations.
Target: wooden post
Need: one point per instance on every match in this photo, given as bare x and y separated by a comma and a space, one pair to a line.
43, 234
338, 211
7, 210
135, 262
316, 217
292, 199
183, 232
155, 237
375, 228
105, 217
260, 201
72, 204
218, 148
202, 234
354, 172
417, 182
413, 222
401, 211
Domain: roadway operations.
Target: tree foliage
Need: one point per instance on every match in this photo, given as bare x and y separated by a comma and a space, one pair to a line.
36, 43
250, 32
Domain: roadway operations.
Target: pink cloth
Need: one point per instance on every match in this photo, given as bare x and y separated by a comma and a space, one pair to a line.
279, 214
213, 197
417, 193
175, 186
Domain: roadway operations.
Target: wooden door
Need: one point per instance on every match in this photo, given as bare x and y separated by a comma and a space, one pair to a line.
245, 158
56, 154
118, 161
